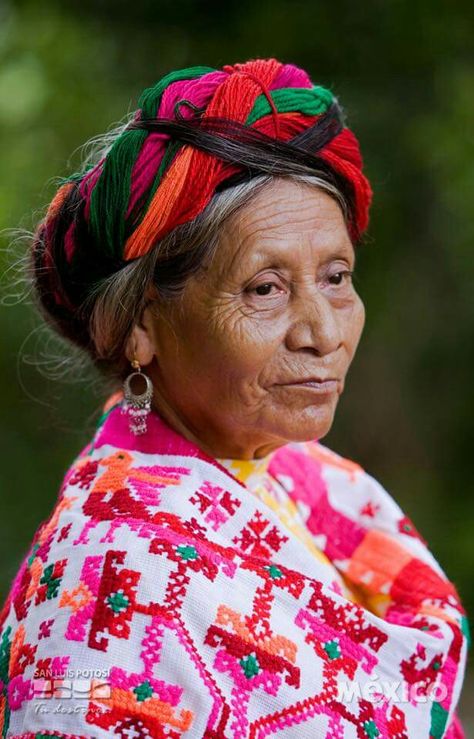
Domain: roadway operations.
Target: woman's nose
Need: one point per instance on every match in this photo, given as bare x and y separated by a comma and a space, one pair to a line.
315, 324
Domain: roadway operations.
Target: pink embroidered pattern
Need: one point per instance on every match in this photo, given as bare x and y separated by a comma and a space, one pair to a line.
215, 504
162, 598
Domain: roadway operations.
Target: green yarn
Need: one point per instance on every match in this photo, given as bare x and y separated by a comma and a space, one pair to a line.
118, 601
309, 101
143, 691
332, 649
250, 665
5, 654
439, 717
370, 728
150, 98
110, 197
187, 551
466, 630
111, 194
171, 151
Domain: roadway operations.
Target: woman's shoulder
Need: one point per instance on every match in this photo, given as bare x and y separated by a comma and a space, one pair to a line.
317, 467
95, 571
111, 595
321, 477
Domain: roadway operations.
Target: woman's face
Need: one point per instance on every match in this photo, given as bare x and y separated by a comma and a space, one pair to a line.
275, 306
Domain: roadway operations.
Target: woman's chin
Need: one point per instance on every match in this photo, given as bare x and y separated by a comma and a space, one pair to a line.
305, 425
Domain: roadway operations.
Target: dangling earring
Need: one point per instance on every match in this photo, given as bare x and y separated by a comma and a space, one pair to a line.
137, 405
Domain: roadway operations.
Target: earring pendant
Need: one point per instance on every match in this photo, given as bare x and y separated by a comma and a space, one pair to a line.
137, 406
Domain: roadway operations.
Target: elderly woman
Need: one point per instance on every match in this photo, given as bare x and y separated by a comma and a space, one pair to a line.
210, 568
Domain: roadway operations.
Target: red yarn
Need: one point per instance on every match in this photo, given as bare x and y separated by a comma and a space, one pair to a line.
190, 181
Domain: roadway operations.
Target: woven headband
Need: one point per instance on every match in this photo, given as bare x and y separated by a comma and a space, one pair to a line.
152, 180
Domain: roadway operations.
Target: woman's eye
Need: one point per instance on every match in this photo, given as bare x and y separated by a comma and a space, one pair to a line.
264, 288
339, 276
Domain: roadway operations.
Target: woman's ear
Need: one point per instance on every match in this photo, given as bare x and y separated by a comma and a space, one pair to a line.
141, 342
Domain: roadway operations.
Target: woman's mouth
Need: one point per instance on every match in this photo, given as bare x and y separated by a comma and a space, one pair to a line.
318, 386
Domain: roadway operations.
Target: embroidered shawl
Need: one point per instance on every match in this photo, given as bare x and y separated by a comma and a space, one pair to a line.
257, 476
163, 598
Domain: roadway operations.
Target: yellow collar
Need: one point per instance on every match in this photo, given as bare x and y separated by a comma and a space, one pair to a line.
243, 469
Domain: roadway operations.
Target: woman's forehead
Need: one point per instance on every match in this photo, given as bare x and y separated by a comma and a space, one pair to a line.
285, 199
286, 207
309, 223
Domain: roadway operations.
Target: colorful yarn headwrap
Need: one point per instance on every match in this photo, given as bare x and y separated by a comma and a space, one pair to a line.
155, 177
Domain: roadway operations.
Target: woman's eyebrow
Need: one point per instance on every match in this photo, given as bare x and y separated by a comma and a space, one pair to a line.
273, 258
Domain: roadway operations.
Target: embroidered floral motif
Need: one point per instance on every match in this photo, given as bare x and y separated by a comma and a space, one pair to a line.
226, 600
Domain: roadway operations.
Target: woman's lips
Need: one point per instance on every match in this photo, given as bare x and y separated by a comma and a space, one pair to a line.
316, 386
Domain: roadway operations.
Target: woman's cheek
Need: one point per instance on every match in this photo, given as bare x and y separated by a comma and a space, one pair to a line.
361, 311
264, 338
356, 322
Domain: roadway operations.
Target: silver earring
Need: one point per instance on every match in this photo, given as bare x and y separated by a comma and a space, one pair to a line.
137, 406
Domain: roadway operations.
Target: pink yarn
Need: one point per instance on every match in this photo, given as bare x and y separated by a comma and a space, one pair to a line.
69, 244
145, 167
87, 185
291, 76
198, 92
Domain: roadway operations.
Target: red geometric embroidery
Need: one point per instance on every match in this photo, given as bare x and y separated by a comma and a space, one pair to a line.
84, 473
50, 581
251, 653
45, 628
369, 509
259, 538
347, 619
425, 676
64, 532
406, 526
115, 602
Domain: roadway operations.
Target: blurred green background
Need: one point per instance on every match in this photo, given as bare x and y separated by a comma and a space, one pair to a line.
404, 72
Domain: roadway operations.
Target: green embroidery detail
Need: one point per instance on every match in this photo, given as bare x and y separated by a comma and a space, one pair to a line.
143, 691
466, 630
332, 649
118, 601
250, 665
370, 729
5, 648
436, 665
52, 583
33, 555
439, 717
274, 571
187, 551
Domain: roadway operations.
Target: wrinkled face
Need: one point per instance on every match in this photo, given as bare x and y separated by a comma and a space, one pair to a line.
276, 306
